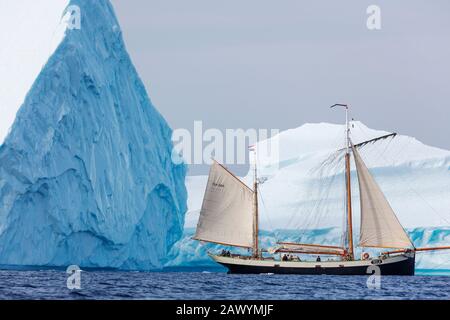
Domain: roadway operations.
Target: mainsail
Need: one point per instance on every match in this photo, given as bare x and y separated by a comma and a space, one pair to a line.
379, 225
226, 214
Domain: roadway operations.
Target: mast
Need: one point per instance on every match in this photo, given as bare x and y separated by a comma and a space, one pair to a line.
349, 206
255, 208
348, 184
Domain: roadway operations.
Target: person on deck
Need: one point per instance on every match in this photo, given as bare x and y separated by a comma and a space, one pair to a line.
318, 259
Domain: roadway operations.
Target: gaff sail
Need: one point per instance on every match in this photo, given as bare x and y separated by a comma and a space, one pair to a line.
226, 216
379, 225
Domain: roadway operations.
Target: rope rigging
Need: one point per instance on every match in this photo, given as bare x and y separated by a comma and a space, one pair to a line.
407, 183
326, 176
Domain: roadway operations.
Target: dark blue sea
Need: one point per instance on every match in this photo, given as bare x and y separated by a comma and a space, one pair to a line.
52, 284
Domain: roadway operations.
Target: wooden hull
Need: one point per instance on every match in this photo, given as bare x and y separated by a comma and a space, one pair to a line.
400, 265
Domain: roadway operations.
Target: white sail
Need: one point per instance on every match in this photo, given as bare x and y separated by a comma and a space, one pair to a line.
379, 224
226, 216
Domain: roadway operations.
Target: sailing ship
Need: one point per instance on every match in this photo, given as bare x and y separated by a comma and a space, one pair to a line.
229, 216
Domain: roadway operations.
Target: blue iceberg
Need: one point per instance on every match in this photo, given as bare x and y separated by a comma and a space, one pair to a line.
86, 175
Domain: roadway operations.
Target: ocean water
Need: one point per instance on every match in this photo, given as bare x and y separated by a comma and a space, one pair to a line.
52, 284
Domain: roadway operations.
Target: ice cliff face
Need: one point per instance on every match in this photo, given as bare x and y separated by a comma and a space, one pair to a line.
305, 191
86, 175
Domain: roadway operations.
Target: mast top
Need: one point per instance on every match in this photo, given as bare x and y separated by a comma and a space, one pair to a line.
256, 252
339, 105
347, 126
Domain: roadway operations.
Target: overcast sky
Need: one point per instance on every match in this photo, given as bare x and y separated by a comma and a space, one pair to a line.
267, 64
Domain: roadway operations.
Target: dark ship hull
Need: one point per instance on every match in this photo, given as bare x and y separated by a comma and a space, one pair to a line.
398, 265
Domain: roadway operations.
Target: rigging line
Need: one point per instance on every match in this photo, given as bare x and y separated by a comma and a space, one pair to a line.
299, 210
388, 145
408, 185
378, 154
316, 202
326, 193
409, 188
322, 193
266, 216
308, 218
429, 205
327, 176
307, 215
375, 145
296, 212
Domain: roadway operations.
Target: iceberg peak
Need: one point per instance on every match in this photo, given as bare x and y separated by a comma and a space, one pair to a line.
86, 175
30, 32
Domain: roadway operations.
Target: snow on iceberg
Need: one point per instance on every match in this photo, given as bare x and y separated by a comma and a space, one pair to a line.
415, 177
86, 175
301, 193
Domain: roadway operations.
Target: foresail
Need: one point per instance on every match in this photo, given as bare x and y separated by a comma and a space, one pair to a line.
226, 213
379, 224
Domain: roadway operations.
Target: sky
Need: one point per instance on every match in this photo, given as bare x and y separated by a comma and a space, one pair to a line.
262, 64
266, 64
30, 31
